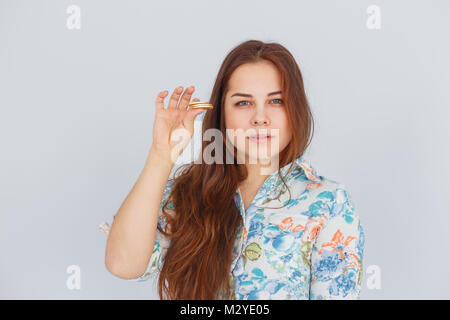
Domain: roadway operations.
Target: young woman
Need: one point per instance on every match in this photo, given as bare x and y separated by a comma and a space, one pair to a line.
231, 230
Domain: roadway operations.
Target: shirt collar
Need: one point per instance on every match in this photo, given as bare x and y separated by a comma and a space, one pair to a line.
299, 164
309, 171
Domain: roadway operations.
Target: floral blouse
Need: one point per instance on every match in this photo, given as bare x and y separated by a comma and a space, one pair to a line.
311, 248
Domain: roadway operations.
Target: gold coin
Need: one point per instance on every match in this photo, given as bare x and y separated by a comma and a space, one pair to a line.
201, 105
206, 106
198, 102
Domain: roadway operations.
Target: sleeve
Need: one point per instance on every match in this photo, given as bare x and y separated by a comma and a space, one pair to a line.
161, 242
337, 253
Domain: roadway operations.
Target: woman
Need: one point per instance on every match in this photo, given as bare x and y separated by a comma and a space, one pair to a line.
231, 230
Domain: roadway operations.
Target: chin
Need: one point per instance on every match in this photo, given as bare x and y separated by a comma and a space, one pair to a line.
251, 158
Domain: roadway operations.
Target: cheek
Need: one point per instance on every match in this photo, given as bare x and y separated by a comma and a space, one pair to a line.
280, 120
229, 120
286, 137
236, 120
232, 123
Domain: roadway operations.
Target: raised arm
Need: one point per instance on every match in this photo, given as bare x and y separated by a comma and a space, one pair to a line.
132, 234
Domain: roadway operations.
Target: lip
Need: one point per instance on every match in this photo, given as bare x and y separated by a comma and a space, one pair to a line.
262, 138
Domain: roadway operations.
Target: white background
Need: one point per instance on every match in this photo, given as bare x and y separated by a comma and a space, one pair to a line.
77, 109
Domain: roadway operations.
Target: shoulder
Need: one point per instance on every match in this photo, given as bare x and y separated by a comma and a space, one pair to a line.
332, 205
332, 190
308, 180
330, 197
338, 210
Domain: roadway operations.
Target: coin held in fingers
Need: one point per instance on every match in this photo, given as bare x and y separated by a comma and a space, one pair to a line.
200, 105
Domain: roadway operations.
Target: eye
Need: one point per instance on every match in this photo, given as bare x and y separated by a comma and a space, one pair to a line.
280, 101
239, 103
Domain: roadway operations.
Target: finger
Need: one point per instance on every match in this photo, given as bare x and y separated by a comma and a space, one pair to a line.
186, 98
193, 113
160, 99
173, 102
190, 118
194, 100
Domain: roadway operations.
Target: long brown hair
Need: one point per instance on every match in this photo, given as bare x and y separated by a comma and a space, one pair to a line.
202, 232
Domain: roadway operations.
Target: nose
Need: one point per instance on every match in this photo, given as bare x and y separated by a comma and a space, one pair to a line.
260, 118
257, 122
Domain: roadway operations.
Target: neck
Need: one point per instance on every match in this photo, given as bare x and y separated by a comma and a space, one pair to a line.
257, 174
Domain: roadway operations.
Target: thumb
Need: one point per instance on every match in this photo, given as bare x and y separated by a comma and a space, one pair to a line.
190, 118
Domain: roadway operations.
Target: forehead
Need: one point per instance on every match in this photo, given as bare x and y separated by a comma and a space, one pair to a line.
255, 78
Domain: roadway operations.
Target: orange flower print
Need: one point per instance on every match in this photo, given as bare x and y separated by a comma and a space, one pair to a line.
355, 262
309, 172
169, 226
312, 228
298, 227
287, 224
244, 236
169, 215
338, 243
313, 185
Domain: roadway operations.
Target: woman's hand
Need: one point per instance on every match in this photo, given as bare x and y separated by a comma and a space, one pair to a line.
174, 126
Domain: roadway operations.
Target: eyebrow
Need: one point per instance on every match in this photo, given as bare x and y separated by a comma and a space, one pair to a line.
250, 96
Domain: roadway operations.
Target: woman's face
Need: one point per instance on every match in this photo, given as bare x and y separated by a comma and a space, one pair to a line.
254, 103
